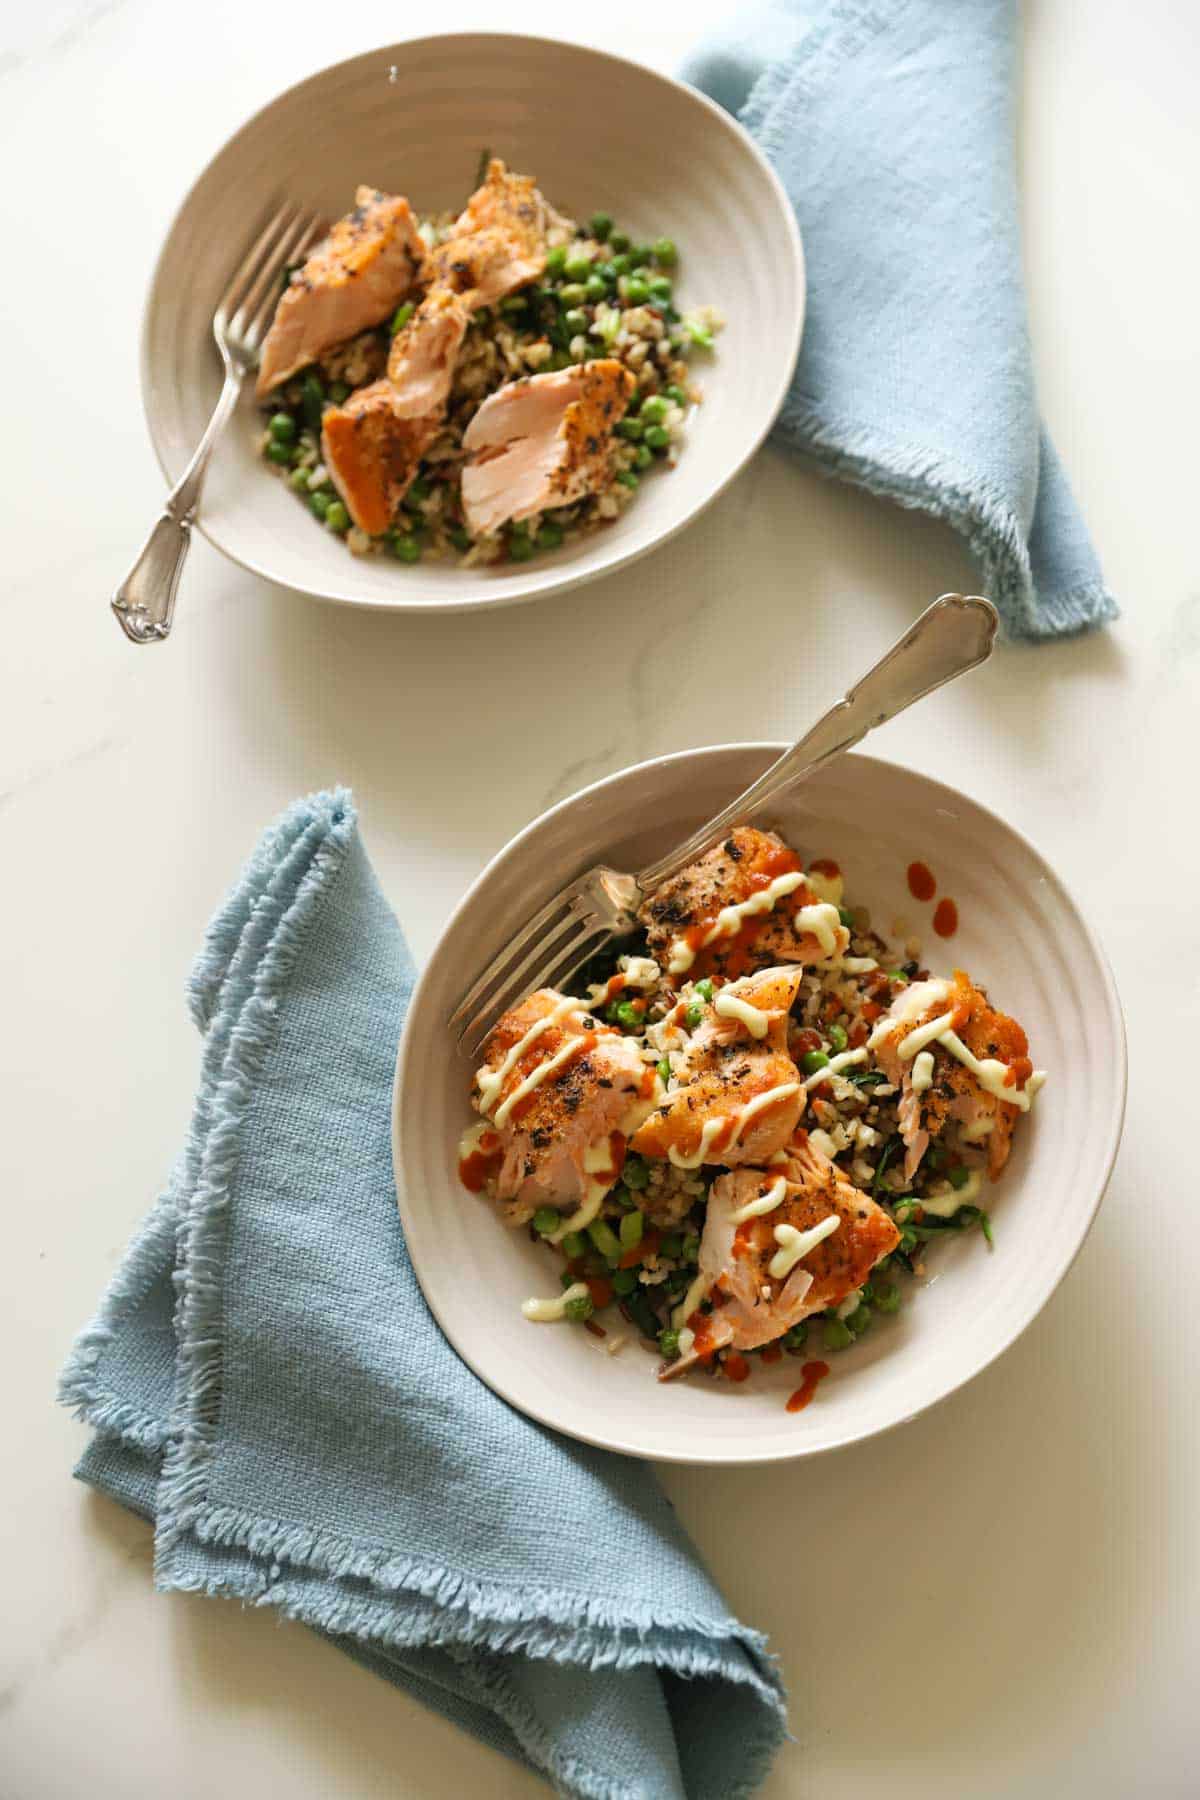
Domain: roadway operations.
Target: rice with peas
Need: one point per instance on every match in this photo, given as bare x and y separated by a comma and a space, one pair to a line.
600, 296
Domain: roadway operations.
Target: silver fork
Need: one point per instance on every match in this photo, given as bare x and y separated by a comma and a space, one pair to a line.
953, 635
145, 601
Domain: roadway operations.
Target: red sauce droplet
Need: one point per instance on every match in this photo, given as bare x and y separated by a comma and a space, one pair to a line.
945, 918
735, 1367
600, 1290
921, 883
772, 1354
484, 1161
814, 1374
824, 865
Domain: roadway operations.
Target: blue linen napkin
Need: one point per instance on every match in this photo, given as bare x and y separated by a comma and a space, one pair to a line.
891, 127
263, 1380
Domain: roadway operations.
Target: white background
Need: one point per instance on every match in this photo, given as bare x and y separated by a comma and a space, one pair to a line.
1000, 1599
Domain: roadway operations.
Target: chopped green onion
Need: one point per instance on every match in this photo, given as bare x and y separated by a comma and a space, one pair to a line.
604, 1237
312, 400
668, 1342
401, 316
579, 1309
663, 1070
624, 1281
574, 1245
847, 917
632, 1227
546, 1220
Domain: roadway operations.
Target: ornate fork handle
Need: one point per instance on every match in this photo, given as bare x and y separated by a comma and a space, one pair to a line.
144, 602
953, 635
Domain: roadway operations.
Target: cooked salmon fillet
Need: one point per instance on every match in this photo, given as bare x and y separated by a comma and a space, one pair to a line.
421, 360
955, 1097
594, 1090
498, 242
372, 451
357, 276
753, 1306
542, 441
683, 917
717, 1109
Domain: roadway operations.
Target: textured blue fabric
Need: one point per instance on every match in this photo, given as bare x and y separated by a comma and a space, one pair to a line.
890, 124
264, 1381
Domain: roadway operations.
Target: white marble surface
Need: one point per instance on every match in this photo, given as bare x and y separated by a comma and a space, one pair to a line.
1026, 1618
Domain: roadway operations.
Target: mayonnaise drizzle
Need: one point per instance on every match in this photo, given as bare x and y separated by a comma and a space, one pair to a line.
825, 887
536, 1077
824, 923
795, 1244
765, 1203
989, 1071
491, 1081
945, 1202
835, 1065
713, 1127
732, 1006
545, 1312
932, 1032
729, 920
691, 1300
922, 1075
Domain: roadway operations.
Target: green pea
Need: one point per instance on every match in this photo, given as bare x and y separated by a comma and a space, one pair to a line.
887, 1298
627, 478
578, 1309
320, 504
632, 1226
690, 1252
860, 1320
624, 1281
628, 1016
619, 240
636, 290
795, 1339
635, 1174
282, 428
556, 259
663, 1070
520, 548
668, 1342
401, 316
654, 409
658, 438
643, 254
601, 224
670, 1245
642, 458
596, 287
550, 535
814, 1060
705, 988
630, 429
574, 1245
604, 1237
665, 252
546, 1220
574, 293
575, 321
298, 479
337, 518
660, 287
693, 1015
338, 391
621, 265
847, 917
419, 490
837, 1335
404, 546
277, 452
577, 267
959, 1177
837, 1037
676, 394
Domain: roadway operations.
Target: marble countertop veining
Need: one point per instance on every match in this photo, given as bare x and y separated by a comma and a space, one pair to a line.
1033, 1626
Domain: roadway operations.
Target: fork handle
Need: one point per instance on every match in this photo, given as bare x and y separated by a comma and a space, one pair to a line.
953, 635
144, 601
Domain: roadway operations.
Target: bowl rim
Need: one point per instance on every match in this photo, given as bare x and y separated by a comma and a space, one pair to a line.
569, 578
803, 1448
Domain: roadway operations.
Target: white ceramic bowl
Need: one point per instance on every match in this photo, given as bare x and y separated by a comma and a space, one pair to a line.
1020, 934
598, 133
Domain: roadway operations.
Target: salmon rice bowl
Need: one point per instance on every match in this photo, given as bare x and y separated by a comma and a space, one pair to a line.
739, 1139
478, 388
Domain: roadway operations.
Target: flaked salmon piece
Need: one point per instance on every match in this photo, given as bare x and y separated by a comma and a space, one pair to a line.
423, 353
563, 1092
955, 1095
372, 451
498, 242
755, 1006
752, 1305
690, 930
733, 1098
354, 279
542, 441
